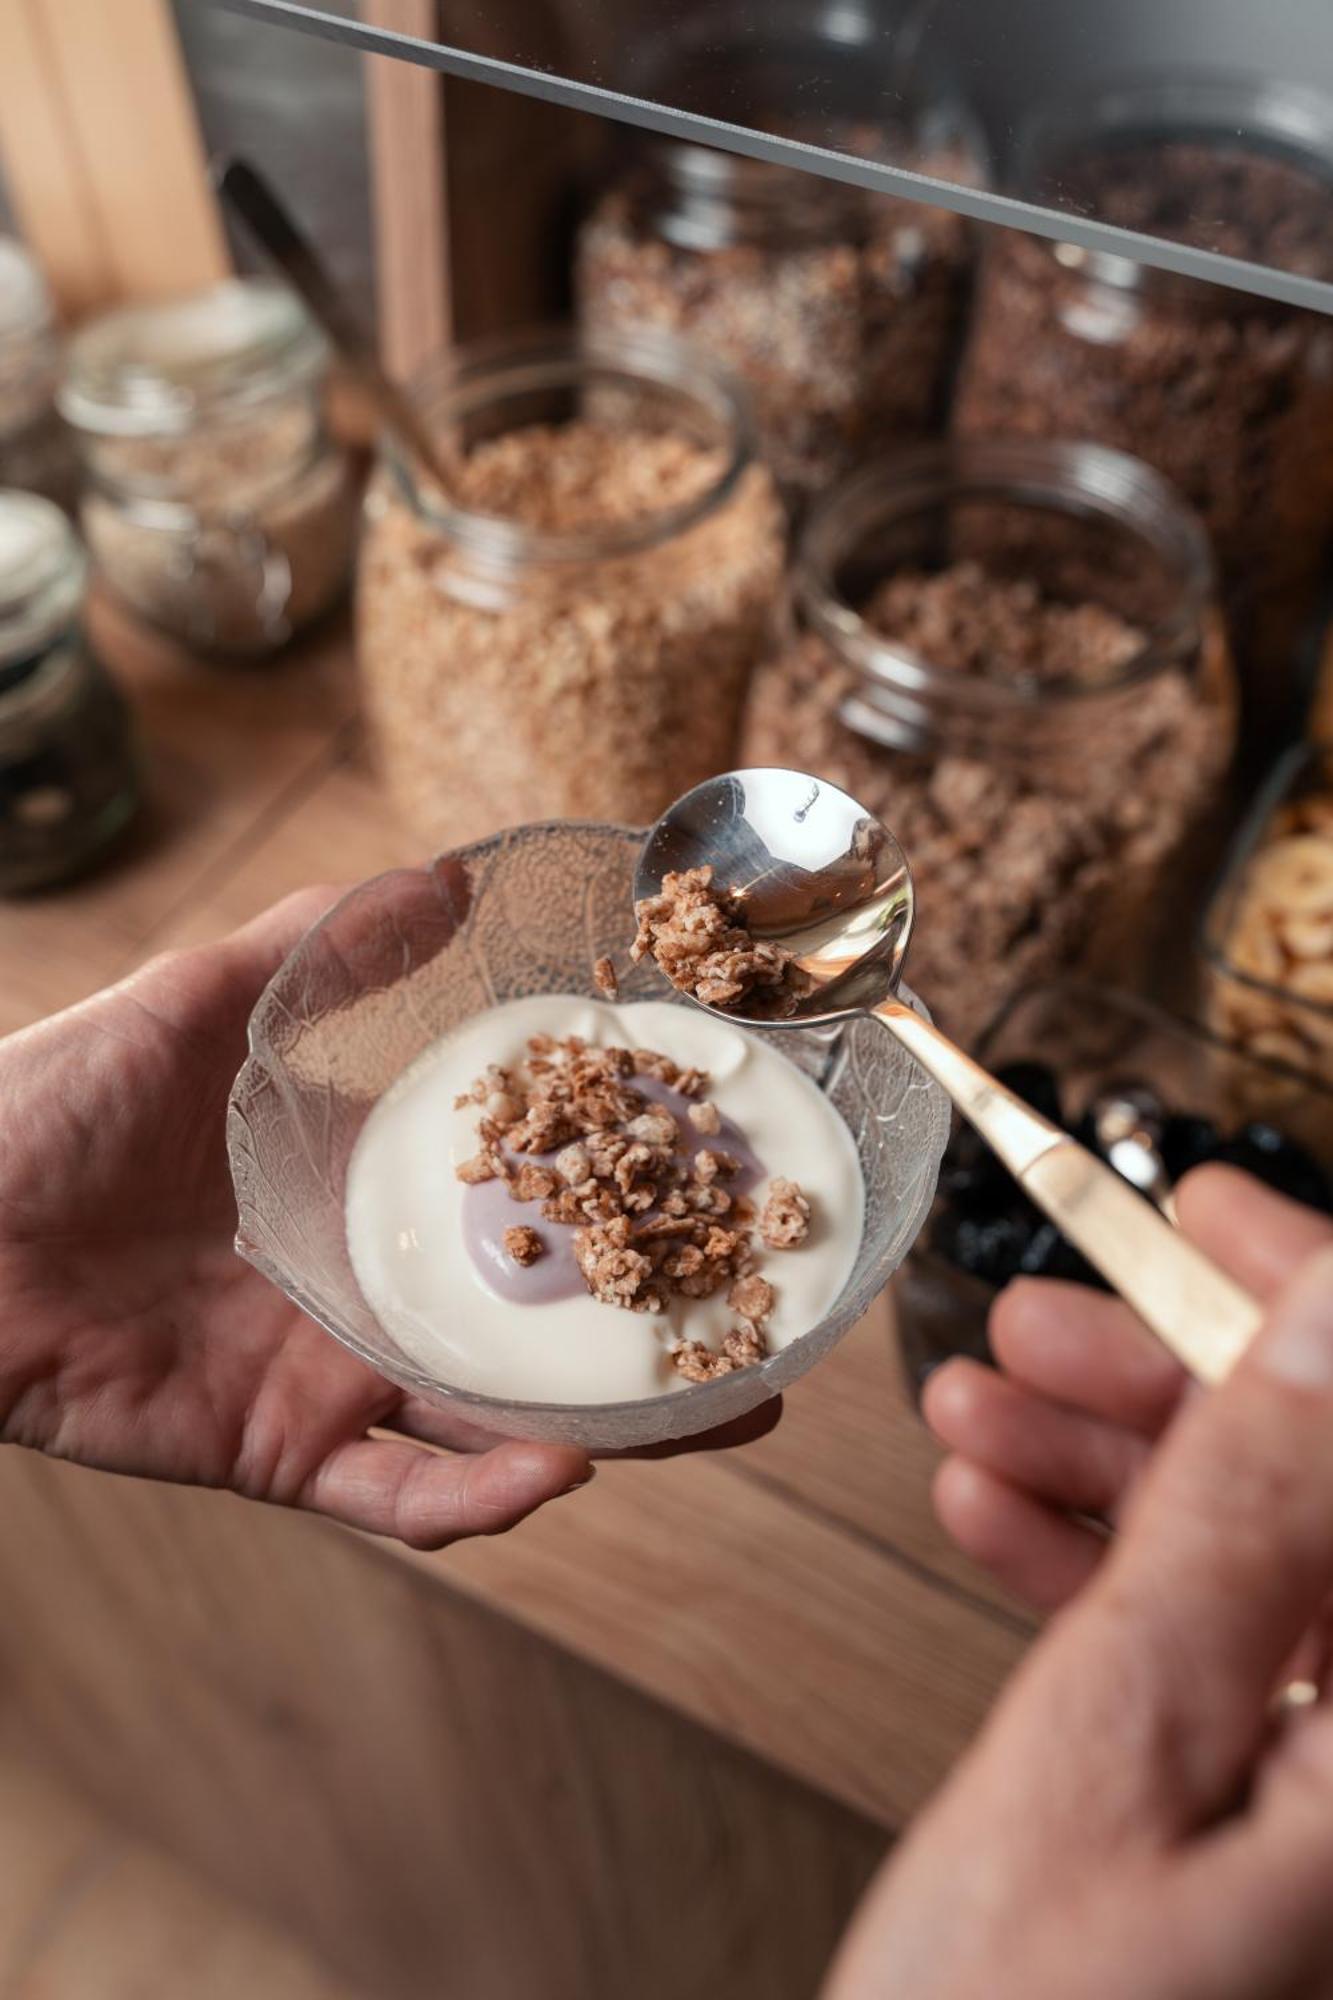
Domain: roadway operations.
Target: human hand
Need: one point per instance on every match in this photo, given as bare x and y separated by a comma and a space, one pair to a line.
1083, 1396
1138, 1818
134, 1339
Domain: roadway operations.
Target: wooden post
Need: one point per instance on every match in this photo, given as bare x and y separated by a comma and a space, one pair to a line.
405, 109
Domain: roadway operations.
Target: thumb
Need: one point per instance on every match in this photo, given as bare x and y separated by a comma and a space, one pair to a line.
1227, 1553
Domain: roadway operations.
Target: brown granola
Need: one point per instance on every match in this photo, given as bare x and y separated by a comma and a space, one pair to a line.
605, 980
652, 1220
699, 938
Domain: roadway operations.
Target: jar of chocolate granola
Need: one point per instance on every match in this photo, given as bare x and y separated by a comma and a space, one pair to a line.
68, 781
36, 450
1229, 395
839, 309
216, 504
1010, 652
569, 631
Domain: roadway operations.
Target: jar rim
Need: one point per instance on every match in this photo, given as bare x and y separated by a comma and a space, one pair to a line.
160, 368
1088, 480
43, 571
465, 380
25, 302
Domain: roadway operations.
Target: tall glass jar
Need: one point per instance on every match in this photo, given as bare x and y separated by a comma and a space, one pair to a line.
36, 451
216, 504
1229, 395
570, 631
1010, 652
839, 309
67, 770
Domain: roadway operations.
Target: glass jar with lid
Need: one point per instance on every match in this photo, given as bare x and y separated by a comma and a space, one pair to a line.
838, 308
216, 504
1011, 653
67, 770
1229, 395
567, 633
36, 450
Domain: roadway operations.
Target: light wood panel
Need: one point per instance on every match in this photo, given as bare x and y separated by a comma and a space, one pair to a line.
405, 106
45, 173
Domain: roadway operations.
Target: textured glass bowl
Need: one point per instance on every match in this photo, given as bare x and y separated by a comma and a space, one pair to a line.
411, 955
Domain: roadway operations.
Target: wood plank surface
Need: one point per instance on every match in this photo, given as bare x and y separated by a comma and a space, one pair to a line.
405, 108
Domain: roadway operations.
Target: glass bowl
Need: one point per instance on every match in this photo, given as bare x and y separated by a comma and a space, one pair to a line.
411, 955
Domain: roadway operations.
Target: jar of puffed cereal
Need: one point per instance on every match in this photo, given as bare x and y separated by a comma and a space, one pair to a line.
569, 631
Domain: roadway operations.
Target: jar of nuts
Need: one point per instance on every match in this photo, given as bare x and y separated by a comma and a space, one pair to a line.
1011, 653
1268, 933
68, 782
569, 631
840, 309
36, 451
1229, 395
216, 504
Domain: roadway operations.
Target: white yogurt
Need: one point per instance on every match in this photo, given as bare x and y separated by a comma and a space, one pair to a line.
404, 1211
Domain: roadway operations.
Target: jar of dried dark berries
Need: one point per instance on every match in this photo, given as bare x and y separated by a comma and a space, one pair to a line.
1229, 395
67, 769
840, 309
1011, 653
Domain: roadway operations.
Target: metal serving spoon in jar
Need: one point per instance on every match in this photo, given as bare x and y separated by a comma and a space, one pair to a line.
816, 873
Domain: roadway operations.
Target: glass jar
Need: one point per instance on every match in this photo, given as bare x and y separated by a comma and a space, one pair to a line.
1229, 395
216, 504
1067, 1046
568, 633
1268, 933
67, 774
36, 450
840, 310
1010, 652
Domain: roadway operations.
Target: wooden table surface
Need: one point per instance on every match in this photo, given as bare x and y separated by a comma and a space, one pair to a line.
796, 1596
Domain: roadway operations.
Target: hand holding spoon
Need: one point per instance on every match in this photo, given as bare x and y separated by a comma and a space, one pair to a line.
818, 874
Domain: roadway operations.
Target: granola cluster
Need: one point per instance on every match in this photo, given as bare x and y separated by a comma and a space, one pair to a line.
698, 936
652, 1218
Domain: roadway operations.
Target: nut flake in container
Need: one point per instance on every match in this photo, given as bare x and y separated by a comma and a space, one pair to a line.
570, 631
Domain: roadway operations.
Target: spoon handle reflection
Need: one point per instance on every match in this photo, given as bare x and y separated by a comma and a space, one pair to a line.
1204, 1317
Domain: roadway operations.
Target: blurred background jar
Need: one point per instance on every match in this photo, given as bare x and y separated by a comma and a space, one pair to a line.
216, 505
1011, 653
1155, 1095
840, 310
570, 631
36, 450
67, 770
1229, 395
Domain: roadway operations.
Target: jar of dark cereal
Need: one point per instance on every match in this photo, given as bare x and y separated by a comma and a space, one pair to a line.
216, 504
36, 451
67, 771
1229, 395
839, 309
569, 632
1010, 652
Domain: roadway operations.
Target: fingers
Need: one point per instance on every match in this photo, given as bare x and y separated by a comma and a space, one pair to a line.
1033, 1550
427, 1500
1057, 1455
1087, 1350
1258, 1236
266, 940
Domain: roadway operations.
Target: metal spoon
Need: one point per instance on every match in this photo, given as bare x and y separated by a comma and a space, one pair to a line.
822, 876
1128, 1123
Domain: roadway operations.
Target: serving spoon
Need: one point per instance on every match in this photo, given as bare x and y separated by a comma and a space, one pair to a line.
817, 873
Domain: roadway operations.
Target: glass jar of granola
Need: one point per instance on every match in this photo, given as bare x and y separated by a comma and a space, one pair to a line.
839, 309
36, 451
568, 633
216, 504
1229, 395
67, 770
1010, 652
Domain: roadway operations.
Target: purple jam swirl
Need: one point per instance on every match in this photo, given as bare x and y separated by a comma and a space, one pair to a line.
488, 1211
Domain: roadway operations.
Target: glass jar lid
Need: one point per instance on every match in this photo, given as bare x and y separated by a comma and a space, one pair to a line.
25, 303
162, 369
43, 570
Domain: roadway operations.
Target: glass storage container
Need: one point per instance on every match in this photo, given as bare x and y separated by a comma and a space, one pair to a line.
1068, 1045
1268, 932
216, 504
67, 771
1010, 652
568, 633
840, 310
1229, 395
36, 450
